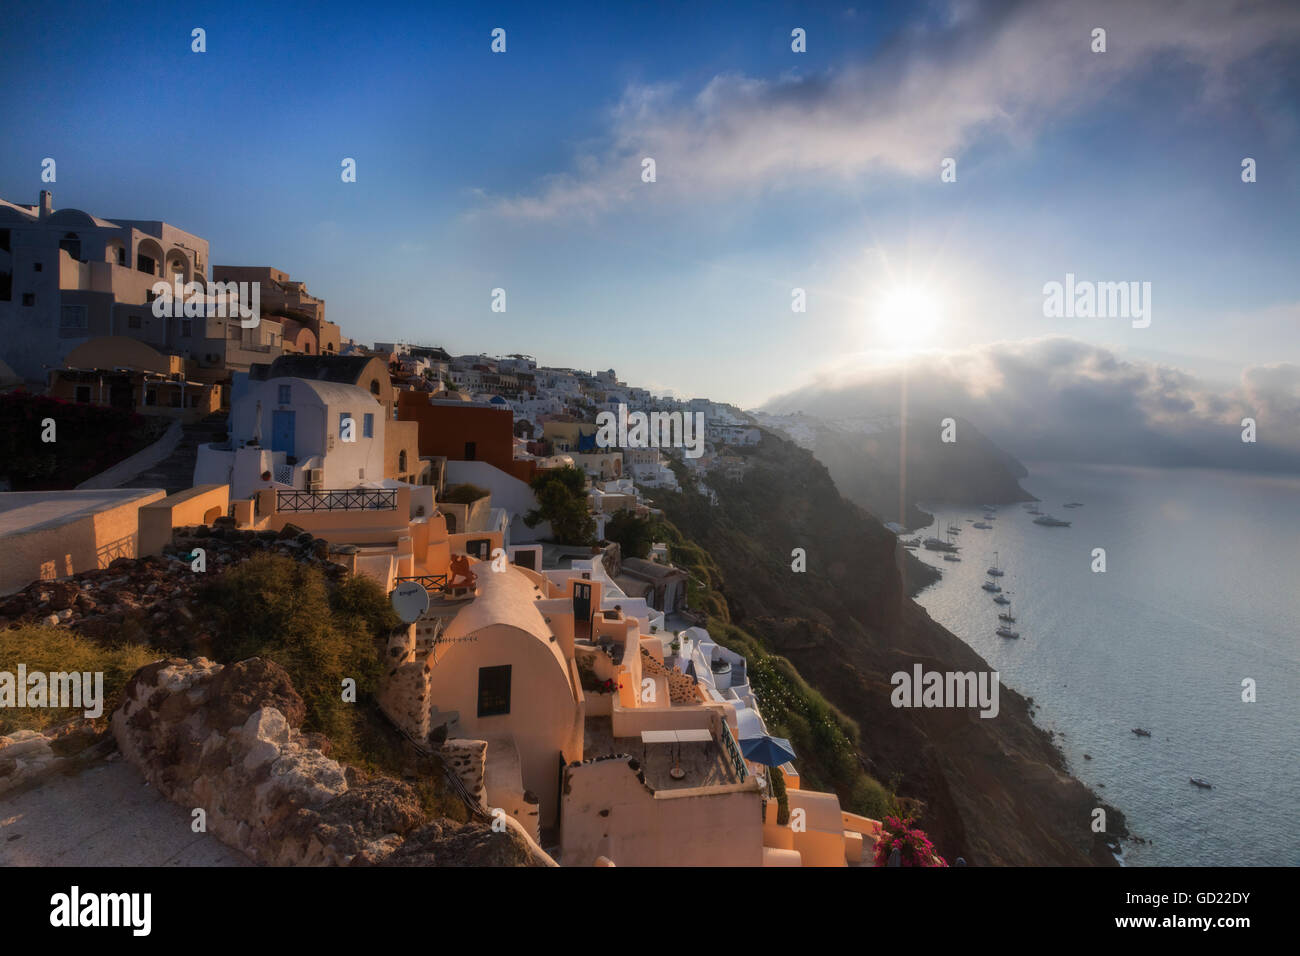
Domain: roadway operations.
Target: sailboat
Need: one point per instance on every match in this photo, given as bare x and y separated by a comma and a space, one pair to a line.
1001, 599
940, 544
1004, 630
995, 571
1008, 617
992, 587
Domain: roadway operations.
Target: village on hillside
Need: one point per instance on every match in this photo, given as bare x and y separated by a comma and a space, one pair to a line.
566, 684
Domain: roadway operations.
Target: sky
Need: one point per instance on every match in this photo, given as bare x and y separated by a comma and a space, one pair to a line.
775, 170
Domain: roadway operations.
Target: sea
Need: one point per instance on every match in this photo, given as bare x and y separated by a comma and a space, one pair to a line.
1198, 606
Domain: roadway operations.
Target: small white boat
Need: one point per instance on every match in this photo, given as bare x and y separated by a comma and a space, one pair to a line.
982, 525
1001, 599
991, 587
995, 571
1008, 617
1005, 631
1051, 522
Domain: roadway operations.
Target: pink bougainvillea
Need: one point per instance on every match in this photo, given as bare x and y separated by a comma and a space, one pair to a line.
914, 847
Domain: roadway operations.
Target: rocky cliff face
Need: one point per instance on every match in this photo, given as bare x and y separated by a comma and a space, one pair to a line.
869, 468
226, 739
993, 790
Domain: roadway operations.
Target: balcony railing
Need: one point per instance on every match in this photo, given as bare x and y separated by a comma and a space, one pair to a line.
431, 582
352, 499
733, 751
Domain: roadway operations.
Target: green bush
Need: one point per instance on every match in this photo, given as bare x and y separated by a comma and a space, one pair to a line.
282, 610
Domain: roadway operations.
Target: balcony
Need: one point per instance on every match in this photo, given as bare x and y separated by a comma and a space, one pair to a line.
350, 499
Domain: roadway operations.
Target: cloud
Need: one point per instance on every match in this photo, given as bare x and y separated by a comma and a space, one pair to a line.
936, 89
1062, 399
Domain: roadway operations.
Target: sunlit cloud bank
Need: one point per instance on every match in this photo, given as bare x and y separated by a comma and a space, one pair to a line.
1062, 399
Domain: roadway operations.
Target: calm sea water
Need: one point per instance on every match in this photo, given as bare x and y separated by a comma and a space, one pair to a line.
1201, 590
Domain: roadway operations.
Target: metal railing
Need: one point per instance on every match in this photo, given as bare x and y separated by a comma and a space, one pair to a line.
431, 582
352, 499
733, 751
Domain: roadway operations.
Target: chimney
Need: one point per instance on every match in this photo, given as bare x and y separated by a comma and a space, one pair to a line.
47, 203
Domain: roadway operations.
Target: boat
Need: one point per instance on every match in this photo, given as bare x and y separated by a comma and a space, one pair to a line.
995, 571
1005, 631
951, 557
1073, 504
1008, 617
1034, 511
1002, 599
1141, 733
989, 507
1051, 522
990, 517
991, 587
1200, 783
938, 544
982, 525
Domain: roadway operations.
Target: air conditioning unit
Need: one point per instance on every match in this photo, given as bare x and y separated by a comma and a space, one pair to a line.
315, 479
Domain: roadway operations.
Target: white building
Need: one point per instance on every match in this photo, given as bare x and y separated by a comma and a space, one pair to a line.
291, 433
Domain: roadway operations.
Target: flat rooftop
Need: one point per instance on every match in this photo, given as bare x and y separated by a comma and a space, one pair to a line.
22, 512
704, 763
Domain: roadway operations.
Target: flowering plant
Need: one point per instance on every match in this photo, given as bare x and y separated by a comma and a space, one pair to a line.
914, 847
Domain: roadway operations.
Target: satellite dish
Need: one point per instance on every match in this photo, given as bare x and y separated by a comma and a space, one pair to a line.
410, 600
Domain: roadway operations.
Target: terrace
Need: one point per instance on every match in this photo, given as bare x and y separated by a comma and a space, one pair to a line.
703, 763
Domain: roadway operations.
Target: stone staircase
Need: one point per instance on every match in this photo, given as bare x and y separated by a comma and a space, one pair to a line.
176, 472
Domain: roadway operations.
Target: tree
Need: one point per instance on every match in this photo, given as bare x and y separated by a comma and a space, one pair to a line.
562, 500
634, 535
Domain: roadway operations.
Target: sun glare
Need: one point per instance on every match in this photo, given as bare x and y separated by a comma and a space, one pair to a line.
907, 319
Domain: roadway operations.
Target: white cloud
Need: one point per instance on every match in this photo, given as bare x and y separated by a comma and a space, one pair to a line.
1059, 398
936, 89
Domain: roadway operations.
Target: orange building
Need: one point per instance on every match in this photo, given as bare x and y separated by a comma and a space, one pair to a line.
462, 431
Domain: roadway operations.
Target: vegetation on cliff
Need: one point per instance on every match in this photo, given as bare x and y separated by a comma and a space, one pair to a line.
992, 790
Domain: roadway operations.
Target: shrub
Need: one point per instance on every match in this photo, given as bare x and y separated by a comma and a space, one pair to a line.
914, 847
56, 649
463, 494
276, 608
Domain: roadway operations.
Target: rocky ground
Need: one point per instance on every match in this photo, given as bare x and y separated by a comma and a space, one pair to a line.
152, 600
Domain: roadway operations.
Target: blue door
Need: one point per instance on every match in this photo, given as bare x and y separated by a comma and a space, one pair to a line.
282, 432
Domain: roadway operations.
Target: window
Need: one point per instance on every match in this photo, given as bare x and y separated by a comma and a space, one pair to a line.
471, 449
187, 328
494, 691
401, 461
283, 396
368, 426
133, 321
4, 240
146, 264
37, 267
83, 394
72, 317
29, 298
480, 548
151, 396
374, 386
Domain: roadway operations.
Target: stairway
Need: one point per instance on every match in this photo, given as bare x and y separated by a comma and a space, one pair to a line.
176, 472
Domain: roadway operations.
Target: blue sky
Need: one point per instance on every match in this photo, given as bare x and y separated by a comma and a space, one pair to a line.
819, 170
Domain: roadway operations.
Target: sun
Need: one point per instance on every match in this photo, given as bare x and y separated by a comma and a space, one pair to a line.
906, 318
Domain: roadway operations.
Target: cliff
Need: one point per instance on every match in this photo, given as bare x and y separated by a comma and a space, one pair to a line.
868, 468
991, 790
